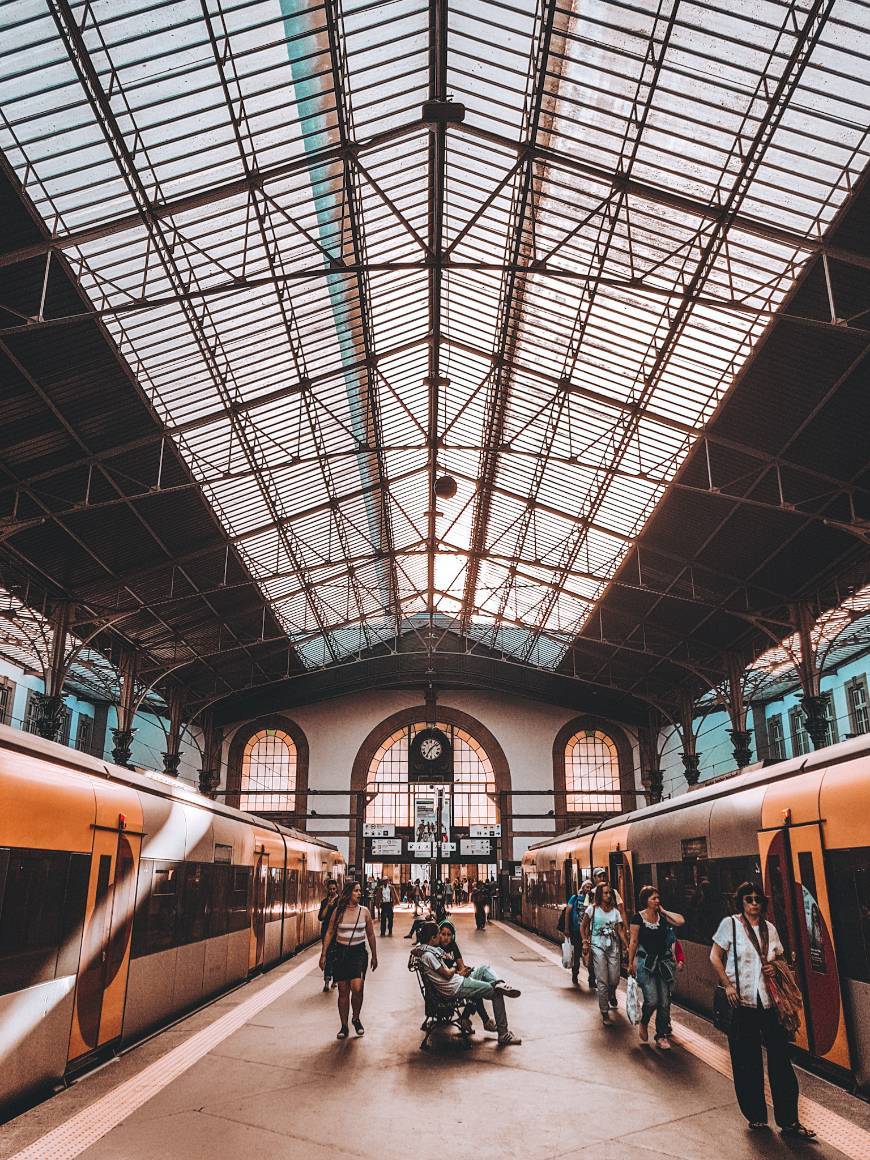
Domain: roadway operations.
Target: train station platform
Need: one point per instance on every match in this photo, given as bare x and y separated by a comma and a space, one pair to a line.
260, 1073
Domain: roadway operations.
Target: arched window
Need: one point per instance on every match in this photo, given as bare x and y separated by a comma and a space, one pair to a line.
592, 773
392, 796
269, 763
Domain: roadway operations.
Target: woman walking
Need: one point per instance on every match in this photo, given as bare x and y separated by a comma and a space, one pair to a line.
745, 946
327, 905
602, 933
651, 961
349, 928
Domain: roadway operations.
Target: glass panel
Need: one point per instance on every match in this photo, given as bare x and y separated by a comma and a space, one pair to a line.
269, 764
592, 774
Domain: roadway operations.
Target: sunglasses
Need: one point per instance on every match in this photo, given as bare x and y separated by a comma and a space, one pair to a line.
752, 898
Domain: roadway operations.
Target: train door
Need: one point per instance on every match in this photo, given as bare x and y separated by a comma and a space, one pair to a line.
570, 882
794, 874
621, 874
261, 878
102, 979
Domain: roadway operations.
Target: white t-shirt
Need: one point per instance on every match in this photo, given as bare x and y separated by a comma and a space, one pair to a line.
433, 960
752, 986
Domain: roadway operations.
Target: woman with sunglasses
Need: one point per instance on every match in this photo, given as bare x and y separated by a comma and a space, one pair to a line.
741, 971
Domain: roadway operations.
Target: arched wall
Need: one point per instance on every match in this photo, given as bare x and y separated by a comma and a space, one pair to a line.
625, 758
447, 716
237, 752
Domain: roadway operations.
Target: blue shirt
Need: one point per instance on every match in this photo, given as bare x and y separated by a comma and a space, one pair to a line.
577, 903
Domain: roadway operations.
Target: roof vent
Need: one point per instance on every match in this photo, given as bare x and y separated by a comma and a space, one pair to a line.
443, 112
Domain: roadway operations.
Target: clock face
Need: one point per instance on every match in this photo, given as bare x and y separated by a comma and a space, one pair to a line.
430, 749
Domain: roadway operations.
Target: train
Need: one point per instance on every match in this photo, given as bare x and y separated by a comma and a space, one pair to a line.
802, 828
127, 899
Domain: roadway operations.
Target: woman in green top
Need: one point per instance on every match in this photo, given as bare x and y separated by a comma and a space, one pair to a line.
602, 932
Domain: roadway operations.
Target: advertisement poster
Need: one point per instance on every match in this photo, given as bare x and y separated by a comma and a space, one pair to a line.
426, 817
813, 918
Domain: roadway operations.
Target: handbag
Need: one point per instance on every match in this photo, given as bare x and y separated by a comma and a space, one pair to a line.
633, 1001
723, 1012
567, 953
784, 992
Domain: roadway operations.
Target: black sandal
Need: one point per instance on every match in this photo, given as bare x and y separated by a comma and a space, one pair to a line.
798, 1130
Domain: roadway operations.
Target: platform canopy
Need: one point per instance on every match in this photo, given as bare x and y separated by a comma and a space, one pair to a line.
435, 304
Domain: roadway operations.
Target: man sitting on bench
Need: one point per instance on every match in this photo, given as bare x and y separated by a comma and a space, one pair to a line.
478, 983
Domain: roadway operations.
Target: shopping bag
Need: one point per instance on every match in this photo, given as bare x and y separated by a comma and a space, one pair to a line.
633, 1001
567, 953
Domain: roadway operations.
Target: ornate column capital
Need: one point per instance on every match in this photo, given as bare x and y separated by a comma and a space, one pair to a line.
49, 715
742, 748
123, 746
691, 763
815, 718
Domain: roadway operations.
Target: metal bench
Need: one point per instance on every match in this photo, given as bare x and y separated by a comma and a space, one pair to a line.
440, 1010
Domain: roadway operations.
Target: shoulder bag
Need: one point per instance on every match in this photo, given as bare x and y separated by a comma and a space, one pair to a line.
784, 992
723, 1012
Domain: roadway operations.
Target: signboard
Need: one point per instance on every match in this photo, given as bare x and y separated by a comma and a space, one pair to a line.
477, 847
424, 848
448, 847
373, 830
484, 831
384, 846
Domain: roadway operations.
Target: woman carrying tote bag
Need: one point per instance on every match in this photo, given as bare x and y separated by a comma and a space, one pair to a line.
745, 947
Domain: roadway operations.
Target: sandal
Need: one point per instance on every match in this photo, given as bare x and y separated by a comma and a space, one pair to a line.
798, 1130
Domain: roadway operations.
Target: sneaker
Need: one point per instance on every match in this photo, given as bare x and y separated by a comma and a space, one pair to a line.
343, 1034
664, 1044
509, 1040
358, 1027
643, 1032
605, 1018
613, 1002
490, 1025
510, 992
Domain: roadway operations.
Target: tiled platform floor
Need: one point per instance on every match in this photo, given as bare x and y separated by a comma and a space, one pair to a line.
282, 1087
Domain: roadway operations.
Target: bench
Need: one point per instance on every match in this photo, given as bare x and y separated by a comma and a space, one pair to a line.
440, 1010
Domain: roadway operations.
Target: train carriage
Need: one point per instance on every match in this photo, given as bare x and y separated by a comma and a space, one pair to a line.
802, 827
127, 899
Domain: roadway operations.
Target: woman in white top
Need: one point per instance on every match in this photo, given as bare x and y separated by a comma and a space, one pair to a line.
349, 928
742, 971
602, 933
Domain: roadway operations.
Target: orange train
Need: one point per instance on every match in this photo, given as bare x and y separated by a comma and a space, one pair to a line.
127, 899
803, 827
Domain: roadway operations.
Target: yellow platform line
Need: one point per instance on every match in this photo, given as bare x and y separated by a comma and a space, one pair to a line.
77, 1134
848, 1138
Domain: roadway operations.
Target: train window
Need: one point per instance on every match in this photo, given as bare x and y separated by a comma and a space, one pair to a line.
292, 888
195, 891
220, 890
702, 904
274, 894
32, 922
160, 912
239, 899
642, 877
223, 853
73, 914
849, 894
670, 886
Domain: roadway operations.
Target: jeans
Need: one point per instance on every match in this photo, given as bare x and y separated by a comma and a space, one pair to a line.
607, 961
386, 918
656, 996
479, 985
750, 1027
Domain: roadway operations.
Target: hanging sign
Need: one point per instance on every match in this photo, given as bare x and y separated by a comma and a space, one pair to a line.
373, 830
424, 848
484, 831
477, 847
448, 847
384, 846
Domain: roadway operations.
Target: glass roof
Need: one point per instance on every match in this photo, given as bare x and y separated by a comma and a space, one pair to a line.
330, 302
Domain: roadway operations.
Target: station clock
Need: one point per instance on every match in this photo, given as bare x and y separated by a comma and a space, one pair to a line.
430, 758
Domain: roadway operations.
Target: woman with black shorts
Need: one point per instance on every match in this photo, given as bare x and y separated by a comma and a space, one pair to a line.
349, 929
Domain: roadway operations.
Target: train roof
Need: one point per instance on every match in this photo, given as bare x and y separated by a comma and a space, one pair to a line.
724, 786
146, 780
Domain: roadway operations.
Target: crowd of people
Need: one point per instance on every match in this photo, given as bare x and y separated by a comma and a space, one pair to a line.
747, 958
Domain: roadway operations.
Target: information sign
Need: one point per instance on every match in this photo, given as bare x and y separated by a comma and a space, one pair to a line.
424, 848
373, 830
475, 846
484, 831
448, 847
384, 846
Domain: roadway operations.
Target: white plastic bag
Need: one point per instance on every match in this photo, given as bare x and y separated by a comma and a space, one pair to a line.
633, 1001
567, 953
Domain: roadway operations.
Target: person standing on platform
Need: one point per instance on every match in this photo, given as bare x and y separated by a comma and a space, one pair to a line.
388, 900
448, 893
327, 905
574, 910
349, 928
745, 946
602, 933
479, 898
651, 961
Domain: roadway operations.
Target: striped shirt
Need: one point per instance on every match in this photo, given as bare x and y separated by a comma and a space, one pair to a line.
352, 928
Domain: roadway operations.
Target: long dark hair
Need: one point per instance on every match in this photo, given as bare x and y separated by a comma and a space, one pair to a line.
599, 895
345, 897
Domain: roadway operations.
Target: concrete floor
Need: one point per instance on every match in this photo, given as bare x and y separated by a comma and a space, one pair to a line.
283, 1087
